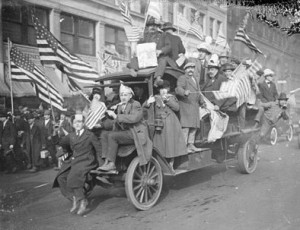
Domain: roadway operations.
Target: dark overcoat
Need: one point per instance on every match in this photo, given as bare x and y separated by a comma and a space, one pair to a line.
133, 118
34, 143
84, 157
170, 140
200, 70
7, 135
267, 93
189, 105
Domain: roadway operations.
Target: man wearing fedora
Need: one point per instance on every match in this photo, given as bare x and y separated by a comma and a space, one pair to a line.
273, 112
267, 88
215, 79
7, 141
204, 52
168, 50
189, 98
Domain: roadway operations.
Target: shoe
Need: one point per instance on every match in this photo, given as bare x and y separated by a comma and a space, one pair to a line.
75, 205
190, 149
33, 170
82, 207
107, 167
193, 148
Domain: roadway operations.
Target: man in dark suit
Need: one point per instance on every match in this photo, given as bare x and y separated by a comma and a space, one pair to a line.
7, 141
33, 142
215, 79
129, 128
201, 62
47, 133
83, 147
189, 98
267, 88
168, 50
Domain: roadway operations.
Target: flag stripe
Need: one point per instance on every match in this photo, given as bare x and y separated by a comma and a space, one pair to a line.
95, 116
125, 12
243, 37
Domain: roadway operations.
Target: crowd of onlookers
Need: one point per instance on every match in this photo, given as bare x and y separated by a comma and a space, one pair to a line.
28, 138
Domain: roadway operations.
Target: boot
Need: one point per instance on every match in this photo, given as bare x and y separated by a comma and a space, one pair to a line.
75, 205
82, 207
193, 148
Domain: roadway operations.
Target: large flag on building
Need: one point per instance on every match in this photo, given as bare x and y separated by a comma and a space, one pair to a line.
124, 7
23, 69
243, 37
196, 30
183, 23
52, 52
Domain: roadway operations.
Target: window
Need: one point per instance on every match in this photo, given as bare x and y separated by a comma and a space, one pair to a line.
218, 27
116, 40
170, 12
77, 34
181, 9
17, 22
193, 15
211, 27
201, 19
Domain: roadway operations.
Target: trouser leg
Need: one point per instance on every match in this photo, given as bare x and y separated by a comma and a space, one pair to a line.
242, 116
52, 150
160, 69
191, 135
104, 142
64, 189
116, 138
79, 193
185, 132
259, 114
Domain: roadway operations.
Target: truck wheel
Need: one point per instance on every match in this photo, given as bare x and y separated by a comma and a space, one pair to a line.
290, 133
247, 157
273, 136
143, 184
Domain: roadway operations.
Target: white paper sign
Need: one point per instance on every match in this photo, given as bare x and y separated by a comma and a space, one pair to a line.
146, 54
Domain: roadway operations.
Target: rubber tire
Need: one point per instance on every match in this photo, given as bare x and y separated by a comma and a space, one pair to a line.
273, 142
129, 184
290, 135
243, 160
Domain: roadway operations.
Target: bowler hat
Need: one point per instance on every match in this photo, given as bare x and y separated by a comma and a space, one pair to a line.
168, 26
213, 61
282, 96
227, 66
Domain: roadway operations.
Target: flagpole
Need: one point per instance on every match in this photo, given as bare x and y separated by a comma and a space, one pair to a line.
10, 79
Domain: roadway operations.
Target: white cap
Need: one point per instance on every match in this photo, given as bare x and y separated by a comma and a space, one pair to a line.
214, 61
268, 72
78, 117
125, 89
204, 47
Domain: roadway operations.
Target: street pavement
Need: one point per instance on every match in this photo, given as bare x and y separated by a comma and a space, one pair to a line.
212, 198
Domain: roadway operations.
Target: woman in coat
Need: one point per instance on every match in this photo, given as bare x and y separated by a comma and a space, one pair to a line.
168, 136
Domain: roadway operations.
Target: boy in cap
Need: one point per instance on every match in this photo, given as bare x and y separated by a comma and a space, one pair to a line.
128, 128
189, 98
267, 88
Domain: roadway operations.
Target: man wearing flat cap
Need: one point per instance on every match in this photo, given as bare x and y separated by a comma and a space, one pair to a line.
169, 49
128, 128
267, 88
187, 92
204, 52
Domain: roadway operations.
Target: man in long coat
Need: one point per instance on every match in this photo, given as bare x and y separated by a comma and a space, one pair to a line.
129, 128
7, 141
34, 142
72, 176
267, 88
188, 93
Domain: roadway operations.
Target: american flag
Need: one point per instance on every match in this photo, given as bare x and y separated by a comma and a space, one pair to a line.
183, 22
196, 30
22, 69
243, 37
239, 87
221, 39
95, 114
123, 5
108, 64
252, 70
133, 33
154, 9
52, 52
